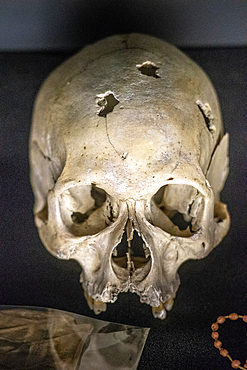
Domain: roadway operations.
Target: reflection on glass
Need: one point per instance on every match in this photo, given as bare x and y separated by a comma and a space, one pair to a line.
48, 339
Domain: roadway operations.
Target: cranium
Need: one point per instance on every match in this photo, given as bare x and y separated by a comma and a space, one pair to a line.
127, 139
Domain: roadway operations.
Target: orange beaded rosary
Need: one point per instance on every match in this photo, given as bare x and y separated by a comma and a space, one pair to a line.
218, 344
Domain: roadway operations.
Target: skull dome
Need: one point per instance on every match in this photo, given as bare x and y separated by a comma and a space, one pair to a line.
128, 158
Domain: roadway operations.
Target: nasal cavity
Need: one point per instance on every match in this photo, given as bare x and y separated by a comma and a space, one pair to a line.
131, 254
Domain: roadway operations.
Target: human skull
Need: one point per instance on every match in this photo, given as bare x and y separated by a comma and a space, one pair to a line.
127, 142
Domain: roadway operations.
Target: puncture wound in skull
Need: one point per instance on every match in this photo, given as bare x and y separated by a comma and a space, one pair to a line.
107, 102
207, 115
148, 68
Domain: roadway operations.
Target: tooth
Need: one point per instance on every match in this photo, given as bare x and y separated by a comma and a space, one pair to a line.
114, 252
159, 312
99, 306
168, 304
96, 306
89, 300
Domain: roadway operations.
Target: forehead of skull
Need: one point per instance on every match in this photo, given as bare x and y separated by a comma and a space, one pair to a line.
129, 163
116, 91
177, 82
130, 148
154, 120
153, 73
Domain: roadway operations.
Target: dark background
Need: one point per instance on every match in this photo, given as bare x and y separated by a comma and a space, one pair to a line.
68, 25
216, 285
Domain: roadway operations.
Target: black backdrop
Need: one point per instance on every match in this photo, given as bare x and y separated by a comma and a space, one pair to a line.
216, 285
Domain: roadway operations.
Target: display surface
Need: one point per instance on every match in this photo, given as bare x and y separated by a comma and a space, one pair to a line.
127, 137
213, 286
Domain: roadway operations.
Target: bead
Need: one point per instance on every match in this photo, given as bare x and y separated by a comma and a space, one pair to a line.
221, 319
233, 316
236, 364
215, 335
214, 326
223, 352
217, 344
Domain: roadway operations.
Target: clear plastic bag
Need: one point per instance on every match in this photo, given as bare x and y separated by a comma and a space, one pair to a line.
48, 339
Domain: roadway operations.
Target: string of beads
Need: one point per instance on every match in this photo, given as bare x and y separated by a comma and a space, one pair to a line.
236, 364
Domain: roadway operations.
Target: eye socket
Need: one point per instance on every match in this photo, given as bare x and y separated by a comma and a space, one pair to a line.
86, 210
99, 196
177, 209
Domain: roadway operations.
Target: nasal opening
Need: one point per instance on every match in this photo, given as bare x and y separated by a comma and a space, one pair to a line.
131, 254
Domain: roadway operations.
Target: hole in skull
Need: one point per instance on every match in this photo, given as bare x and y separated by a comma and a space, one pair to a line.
207, 115
86, 210
107, 102
148, 68
177, 209
178, 220
133, 254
